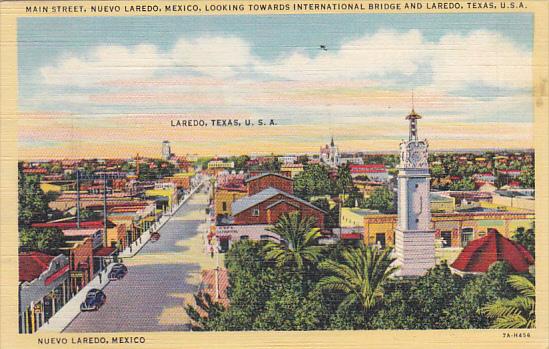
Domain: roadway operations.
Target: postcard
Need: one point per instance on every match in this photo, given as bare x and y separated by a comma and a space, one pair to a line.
261, 174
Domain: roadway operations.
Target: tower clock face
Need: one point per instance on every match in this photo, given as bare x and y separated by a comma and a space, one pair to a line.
417, 154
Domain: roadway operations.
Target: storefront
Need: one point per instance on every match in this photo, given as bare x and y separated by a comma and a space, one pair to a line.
44, 288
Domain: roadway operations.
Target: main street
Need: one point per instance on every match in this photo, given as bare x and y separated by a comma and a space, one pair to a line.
161, 278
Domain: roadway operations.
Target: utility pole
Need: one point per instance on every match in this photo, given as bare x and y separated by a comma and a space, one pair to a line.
217, 272
77, 198
104, 210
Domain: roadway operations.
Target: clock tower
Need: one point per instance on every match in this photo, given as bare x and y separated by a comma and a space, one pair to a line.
414, 241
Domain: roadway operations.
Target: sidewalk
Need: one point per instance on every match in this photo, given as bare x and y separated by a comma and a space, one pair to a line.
137, 245
71, 309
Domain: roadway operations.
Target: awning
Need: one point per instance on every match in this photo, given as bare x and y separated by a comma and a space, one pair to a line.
56, 275
351, 236
224, 237
104, 251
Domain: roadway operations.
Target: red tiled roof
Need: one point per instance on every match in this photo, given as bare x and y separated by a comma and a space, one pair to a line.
32, 264
351, 236
104, 251
479, 254
369, 168
56, 275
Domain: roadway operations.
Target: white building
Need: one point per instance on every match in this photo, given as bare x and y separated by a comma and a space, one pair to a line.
415, 242
329, 154
166, 150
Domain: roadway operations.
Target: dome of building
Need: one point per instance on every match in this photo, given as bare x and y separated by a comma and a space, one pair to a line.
479, 254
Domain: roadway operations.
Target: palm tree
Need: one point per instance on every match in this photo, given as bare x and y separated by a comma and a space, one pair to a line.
518, 312
360, 275
298, 244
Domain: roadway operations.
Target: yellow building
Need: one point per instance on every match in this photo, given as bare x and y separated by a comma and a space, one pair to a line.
520, 202
453, 229
50, 187
354, 217
442, 203
168, 192
224, 199
291, 170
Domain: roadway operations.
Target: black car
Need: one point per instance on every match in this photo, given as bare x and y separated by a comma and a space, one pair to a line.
118, 271
94, 300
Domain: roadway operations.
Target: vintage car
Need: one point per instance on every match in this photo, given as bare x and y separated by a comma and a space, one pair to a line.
118, 271
94, 300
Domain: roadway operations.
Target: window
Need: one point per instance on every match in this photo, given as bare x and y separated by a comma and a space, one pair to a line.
255, 212
244, 237
380, 239
446, 238
224, 206
466, 236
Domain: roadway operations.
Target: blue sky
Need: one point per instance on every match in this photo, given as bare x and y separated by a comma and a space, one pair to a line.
372, 61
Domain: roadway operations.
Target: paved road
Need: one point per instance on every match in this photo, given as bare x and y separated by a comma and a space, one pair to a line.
160, 279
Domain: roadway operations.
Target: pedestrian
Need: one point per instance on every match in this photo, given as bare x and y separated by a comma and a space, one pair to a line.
211, 251
100, 277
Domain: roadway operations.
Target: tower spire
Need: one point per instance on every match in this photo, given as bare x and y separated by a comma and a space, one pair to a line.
413, 117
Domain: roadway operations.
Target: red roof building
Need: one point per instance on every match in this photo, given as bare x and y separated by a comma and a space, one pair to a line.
481, 253
32, 265
72, 224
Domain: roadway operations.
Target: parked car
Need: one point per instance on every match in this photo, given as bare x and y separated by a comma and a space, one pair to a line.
155, 236
94, 300
118, 271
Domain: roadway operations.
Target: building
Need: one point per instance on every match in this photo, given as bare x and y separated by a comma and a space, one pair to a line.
414, 238
44, 287
291, 170
453, 230
224, 198
329, 154
480, 254
373, 172
266, 206
288, 159
515, 198
166, 150
442, 203
263, 181
351, 160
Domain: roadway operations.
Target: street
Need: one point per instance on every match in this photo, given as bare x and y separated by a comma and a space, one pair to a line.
161, 277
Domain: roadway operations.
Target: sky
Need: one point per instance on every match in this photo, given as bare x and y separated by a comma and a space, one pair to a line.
111, 86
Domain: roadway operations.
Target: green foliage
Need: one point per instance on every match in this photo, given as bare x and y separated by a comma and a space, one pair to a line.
518, 312
43, 240
89, 215
463, 184
528, 178
203, 319
359, 276
527, 238
313, 181
299, 241
422, 303
344, 181
33, 204
332, 217
381, 199
465, 310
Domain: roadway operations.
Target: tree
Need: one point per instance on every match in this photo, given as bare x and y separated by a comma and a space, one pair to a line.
89, 215
298, 245
421, 303
332, 218
526, 238
33, 204
463, 184
43, 240
382, 199
360, 275
313, 181
518, 312
344, 181
204, 318
479, 291
528, 178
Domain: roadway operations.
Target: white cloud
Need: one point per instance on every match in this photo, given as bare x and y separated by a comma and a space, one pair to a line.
105, 63
480, 57
457, 61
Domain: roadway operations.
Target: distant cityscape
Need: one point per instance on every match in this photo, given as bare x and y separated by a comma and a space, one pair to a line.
79, 217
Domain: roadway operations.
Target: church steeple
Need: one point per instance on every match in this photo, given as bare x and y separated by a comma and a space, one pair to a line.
332, 142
